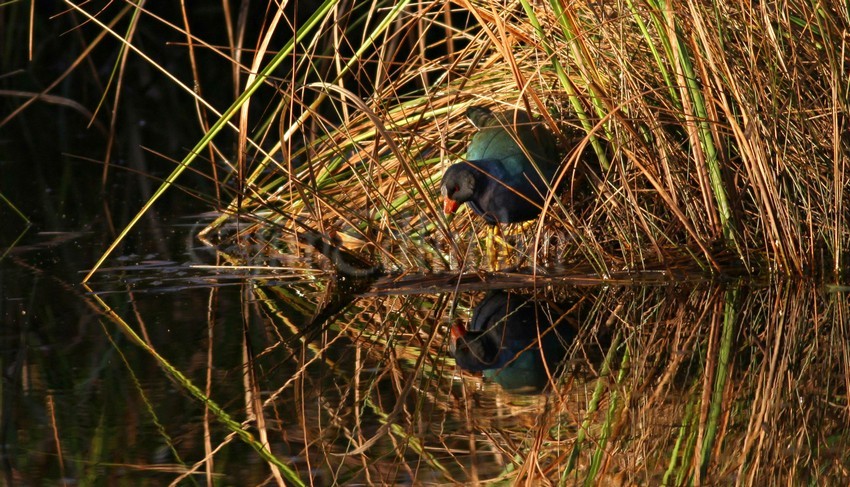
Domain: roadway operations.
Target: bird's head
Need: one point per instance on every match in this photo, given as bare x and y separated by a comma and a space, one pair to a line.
458, 187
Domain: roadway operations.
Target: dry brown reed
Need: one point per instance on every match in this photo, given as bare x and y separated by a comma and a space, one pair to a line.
712, 134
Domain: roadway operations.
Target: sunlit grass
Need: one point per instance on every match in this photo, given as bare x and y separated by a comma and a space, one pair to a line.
705, 136
702, 169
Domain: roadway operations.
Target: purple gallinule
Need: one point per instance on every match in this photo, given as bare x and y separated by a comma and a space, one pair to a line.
497, 179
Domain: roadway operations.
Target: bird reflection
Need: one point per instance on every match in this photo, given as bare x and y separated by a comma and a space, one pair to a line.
512, 340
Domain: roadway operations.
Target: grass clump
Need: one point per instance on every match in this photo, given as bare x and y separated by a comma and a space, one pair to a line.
713, 135
698, 135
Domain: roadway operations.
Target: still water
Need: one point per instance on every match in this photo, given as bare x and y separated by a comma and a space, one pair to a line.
177, 369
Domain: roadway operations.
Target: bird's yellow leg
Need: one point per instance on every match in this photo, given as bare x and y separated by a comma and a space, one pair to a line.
490, 248
526, 225
497, 248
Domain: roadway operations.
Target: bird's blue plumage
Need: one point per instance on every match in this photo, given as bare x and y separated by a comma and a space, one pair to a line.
509, 165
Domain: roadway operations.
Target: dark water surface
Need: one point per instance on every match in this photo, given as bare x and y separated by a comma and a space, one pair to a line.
664, 382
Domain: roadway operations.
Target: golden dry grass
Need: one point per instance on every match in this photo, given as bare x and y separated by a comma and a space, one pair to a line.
719, 135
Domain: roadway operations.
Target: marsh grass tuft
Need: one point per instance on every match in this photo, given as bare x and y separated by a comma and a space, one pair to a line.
706, 136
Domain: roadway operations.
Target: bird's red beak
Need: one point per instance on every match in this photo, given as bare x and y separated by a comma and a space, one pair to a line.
450, 206
458, 331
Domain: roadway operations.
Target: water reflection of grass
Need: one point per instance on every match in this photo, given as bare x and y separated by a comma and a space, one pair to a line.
666, 384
